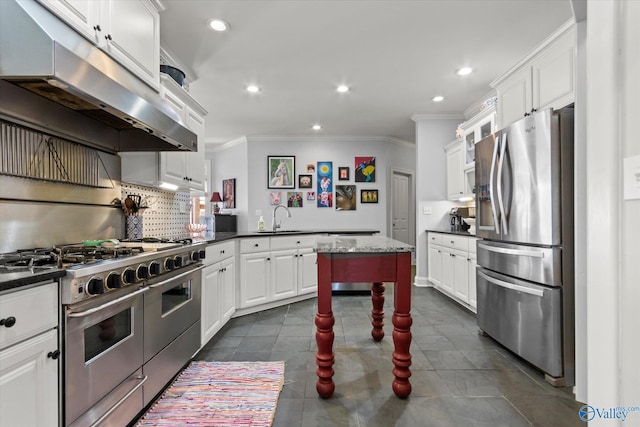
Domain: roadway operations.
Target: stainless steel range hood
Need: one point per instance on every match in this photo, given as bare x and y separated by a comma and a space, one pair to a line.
42, 55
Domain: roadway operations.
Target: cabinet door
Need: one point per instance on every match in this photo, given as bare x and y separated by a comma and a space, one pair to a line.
554, 74
284, 273
473, 298
228, 288
254, 279
307, 271
81, 15
29, 382
461, 279
132, 37
455, 188
448, 272
514, 98
173, 168
435, 265
211, 321
195, 161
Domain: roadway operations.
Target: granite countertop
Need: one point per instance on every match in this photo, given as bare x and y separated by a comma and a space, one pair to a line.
449, 231
28, 277
228, 235
360, 244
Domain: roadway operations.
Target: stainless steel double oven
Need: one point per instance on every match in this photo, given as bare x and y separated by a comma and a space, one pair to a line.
139, 326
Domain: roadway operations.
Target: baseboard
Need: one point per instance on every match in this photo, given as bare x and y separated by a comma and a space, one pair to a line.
422, 282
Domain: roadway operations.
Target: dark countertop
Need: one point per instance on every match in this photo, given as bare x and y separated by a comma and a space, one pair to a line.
449, 231
19, 279
13, 280
221, 237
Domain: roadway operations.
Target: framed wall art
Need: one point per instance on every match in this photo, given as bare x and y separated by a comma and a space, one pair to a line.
281, 171
325, 185
346, 197
368, 196
229, 193
294, 199
305, 181
365, 169
343, 174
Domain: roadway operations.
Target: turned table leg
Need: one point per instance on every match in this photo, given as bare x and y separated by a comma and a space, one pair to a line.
377, 313
324, 330
402, 327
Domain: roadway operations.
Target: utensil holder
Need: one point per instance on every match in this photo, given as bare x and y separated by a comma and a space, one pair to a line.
134, 227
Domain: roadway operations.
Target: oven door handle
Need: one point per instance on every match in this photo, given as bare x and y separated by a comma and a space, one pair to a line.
164, 282
109, 304
125, 397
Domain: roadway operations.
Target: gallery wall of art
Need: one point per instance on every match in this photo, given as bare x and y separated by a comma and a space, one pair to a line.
326, 184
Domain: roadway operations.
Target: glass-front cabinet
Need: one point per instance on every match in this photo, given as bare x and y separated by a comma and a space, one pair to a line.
474, 130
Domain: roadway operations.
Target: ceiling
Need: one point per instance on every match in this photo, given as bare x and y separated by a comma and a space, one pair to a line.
395, 55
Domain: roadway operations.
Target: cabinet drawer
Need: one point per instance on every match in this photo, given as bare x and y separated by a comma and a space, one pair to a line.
219, 251
455, 242
35, 310
293, 242
434, 238
260, 244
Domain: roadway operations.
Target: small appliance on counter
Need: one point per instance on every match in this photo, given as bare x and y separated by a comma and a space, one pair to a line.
459, 216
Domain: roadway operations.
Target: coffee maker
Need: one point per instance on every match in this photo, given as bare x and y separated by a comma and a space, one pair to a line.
457, 214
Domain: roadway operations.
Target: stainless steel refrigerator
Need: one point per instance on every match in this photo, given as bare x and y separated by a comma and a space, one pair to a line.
524, 217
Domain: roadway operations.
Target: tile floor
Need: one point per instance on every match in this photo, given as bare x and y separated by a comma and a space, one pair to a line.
459, 378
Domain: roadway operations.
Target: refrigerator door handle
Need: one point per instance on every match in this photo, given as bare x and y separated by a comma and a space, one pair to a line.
512, 286
491, 186
507, 251
503, 215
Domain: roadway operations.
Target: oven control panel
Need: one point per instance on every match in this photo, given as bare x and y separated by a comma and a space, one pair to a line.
90, 281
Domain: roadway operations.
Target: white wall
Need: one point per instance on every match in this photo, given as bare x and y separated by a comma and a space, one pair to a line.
432, 135
613, 230
255, 195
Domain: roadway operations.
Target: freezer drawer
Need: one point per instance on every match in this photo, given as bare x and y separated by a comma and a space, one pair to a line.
532, 263
522, 316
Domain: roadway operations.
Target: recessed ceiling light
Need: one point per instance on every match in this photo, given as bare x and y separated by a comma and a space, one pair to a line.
438, 98
316, 127
218, 24
464, 71
253, 88
342, 88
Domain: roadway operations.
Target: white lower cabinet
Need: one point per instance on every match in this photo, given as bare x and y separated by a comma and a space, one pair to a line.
288, 269
29, 357
452, 266
218, 289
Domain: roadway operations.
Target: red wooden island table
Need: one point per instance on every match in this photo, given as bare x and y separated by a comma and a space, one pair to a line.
356, 259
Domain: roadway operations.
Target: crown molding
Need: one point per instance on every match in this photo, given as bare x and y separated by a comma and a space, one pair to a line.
417, 117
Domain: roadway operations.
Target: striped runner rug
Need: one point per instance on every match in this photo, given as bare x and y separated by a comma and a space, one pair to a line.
219, 394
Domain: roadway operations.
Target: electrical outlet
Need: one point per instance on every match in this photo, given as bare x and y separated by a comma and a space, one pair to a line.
183, 207
258, 212
427, 210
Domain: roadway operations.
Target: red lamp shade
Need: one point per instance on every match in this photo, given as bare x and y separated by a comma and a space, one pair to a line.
215, 198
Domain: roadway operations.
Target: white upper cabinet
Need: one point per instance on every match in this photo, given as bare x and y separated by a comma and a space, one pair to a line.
183, 170
545, 78
455, 174
128, 31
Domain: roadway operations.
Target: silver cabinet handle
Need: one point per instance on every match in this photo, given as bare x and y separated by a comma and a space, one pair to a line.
512, 286
109, 304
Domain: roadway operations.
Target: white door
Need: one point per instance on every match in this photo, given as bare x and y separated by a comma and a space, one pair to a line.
400, 207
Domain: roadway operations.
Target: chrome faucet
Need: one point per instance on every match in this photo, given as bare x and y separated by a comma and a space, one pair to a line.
274, 225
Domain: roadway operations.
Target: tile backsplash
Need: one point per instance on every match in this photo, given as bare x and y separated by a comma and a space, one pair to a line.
168, 212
